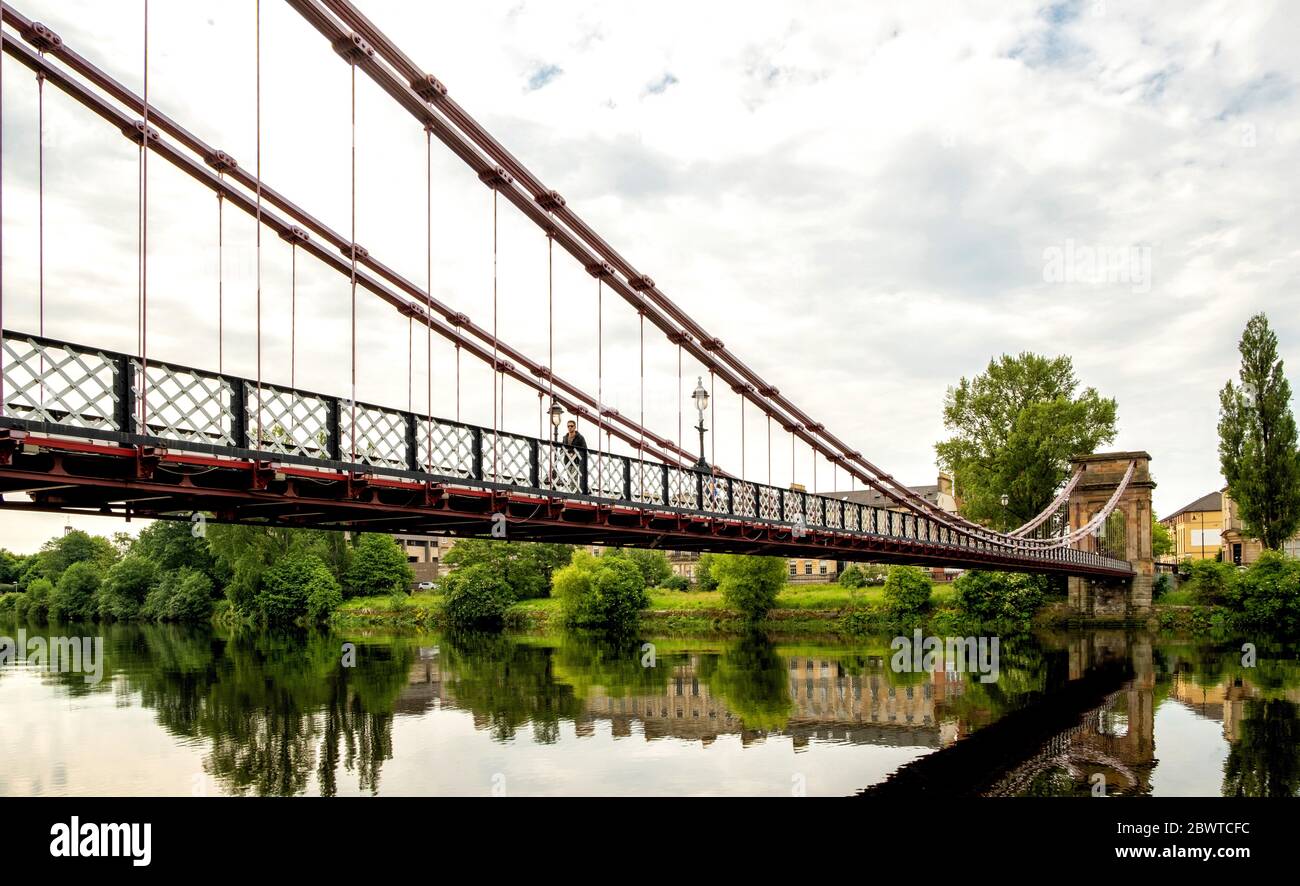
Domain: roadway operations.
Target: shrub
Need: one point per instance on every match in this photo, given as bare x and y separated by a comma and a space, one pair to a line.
525, 567
605, 592
476, 595
1212, 583
750, 584
34, 603
1268, 593
125, 587
73, 598
704, 578
378, 567
907, 590
853, 577
294, 588
676, 583
179, 595
654, 565
7, 602
1160, 586
999, 596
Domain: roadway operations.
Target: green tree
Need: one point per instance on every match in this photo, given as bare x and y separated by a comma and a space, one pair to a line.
299, 586
601, 592
704, 573
74, 596
1162, 540
1015, 428
11, 566
179, 595
1268, 593
125, 587
378, 567
654, 565
907, 590
1257, 440
244, 553
74, 546
526, 567
33, 604
749, 584
1000, 596
476, 596
174, 544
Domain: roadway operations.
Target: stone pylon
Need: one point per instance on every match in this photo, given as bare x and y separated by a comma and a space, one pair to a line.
1102, 473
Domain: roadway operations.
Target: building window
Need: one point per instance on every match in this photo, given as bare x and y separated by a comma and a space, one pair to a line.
807, 567
794, 568
821, 565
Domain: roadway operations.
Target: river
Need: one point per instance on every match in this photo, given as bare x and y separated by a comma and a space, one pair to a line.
169, 710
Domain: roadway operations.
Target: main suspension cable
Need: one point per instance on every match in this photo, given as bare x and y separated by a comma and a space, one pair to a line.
144, 240
428, 296
352, 423
257, 66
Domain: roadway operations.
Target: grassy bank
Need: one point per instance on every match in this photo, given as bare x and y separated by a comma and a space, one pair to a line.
809, 609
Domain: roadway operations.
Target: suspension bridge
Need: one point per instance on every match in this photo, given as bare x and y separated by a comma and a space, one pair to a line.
87, 429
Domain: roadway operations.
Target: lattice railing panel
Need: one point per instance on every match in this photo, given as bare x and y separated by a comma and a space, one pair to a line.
510, 461
560, 467
445, 449
647, 483
769, 503
380, 436
794, 508
812, 509
606, 480
185, 405
745, 499
834, 513
59, 384
852, 517
682, 489
716, 499
290, 423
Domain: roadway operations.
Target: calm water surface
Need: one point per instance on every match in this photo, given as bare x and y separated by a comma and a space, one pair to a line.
182, 711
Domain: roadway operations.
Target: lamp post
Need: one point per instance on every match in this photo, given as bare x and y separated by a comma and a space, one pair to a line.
556, 412
701, 398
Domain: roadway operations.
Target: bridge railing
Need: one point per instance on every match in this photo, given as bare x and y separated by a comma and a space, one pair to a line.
68, 389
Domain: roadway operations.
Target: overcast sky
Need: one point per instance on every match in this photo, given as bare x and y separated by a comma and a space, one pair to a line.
864, 201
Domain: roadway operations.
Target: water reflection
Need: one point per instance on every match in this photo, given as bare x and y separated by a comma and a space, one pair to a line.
284, 714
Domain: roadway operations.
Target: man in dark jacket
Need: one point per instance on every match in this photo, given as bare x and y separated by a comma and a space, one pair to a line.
574, 456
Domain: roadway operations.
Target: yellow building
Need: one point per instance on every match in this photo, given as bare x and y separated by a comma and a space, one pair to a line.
1238, 547
1197, 528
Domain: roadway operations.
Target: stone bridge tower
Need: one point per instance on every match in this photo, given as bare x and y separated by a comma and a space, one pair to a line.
1129, 534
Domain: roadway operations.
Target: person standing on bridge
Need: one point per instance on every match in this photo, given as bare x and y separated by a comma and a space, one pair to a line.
573, 439
575, 455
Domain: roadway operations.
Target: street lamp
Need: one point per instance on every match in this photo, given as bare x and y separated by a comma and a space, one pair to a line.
701, 398
557, 412
1006, 500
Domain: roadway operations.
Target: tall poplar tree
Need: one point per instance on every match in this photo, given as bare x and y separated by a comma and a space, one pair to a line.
1257, 440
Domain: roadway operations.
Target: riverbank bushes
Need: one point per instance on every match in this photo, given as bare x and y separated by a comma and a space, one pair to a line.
1000, 596
907, 591
476, 596
180, 571
749, 584
608, 591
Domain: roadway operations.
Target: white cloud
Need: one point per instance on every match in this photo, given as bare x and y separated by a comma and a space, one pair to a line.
856, 199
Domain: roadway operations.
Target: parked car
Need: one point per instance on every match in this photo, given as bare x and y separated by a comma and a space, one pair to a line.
426, 586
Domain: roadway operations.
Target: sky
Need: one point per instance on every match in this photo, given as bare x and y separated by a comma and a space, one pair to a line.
866, 202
